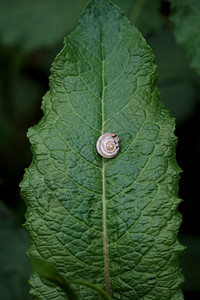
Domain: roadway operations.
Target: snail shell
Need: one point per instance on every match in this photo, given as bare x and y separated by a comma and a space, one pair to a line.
107, 145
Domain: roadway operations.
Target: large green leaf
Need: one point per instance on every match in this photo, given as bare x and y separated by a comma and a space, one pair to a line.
113, 222
186, 20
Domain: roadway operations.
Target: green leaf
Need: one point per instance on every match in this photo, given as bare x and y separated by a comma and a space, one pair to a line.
186, 21
102, 295
47, 270
110, 222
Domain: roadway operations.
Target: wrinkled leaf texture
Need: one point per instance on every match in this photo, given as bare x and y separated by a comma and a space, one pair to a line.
112, 222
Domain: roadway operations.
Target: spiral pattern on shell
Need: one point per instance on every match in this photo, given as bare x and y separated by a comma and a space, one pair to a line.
107, 145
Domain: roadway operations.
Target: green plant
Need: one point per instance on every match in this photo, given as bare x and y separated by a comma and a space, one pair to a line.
112, 223
108, 223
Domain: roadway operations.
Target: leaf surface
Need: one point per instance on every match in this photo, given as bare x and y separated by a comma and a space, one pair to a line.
185, 17
112, 222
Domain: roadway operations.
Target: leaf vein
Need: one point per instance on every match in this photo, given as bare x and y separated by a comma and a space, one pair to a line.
76, 153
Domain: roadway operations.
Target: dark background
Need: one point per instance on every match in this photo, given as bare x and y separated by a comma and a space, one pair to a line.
31, 34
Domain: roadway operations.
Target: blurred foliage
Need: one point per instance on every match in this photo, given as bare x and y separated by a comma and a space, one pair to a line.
31, 24
144, 14
14, 264
191, 262
31, 34
178, 84
186, 20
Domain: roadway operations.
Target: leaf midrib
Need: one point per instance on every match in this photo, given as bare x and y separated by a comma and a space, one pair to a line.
105, 241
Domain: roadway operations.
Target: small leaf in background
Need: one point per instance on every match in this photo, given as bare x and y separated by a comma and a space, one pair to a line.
112, 223
47, 270
186, 21
101, 293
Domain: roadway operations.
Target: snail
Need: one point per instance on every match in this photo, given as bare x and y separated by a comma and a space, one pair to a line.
107, 145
